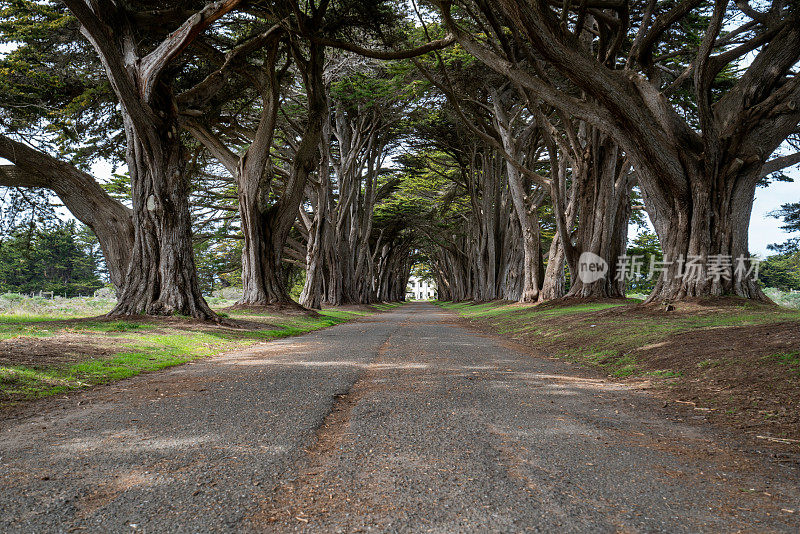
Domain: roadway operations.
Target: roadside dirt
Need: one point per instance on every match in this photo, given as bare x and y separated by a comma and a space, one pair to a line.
736, 375
58, 350
743, 377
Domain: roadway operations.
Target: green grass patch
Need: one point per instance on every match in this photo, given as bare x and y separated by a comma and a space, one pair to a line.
788, 359
143, 347
621, 367
10, 331
18, 318
24, 382
785, 358
386, 306
665, 373
343, 314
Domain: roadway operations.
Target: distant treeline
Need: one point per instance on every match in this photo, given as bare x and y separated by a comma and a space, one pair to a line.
61, 257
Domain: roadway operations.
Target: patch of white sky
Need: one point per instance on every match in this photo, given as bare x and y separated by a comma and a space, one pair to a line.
764, 229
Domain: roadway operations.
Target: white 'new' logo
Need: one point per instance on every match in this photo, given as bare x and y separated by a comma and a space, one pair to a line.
591, 267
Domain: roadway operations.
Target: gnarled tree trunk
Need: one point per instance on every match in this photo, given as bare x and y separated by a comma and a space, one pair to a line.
553, 284
704, 238
525, 202
531, 238
604, 184
318, 229
161, 277
281, 216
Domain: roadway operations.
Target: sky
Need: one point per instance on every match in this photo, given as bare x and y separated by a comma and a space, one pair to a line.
764, 229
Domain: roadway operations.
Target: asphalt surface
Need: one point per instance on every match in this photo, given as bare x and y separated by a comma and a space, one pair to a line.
400, 422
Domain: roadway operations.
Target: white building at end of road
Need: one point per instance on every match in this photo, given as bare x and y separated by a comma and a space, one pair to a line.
419, 289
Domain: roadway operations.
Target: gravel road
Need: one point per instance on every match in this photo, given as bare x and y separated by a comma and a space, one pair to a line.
401, 422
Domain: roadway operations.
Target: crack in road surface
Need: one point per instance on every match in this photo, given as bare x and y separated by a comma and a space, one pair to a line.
289, 502
402, 421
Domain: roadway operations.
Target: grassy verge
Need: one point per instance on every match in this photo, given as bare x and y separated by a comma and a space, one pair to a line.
40, 356
732, 359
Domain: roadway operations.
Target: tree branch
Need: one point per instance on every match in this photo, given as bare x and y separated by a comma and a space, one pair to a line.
109, 219
213, 144
439, 44
153, 63
779, 163
215, 81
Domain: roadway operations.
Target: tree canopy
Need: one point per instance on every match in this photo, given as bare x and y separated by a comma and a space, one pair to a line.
338, 143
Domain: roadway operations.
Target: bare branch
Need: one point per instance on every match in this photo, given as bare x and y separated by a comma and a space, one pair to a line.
780, 163
213, 144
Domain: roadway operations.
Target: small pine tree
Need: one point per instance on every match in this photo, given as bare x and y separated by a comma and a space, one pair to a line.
782, 270
56, 258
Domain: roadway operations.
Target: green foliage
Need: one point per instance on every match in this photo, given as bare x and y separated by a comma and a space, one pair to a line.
296, 282
61, 259
781, 271
383, 86
423, 271
52, 86
646, 248
790, 213
219, 263
428, 202
786, 299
